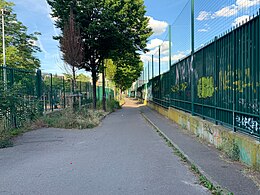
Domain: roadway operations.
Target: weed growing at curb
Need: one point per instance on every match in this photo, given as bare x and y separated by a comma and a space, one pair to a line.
204, 181
231, 149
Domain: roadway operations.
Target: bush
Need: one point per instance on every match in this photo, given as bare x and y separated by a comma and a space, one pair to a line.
111, 105
69, 119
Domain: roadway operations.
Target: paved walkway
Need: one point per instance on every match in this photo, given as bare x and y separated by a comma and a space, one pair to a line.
122, 156
227, 174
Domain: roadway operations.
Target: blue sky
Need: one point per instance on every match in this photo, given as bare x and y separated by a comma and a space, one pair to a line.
212, 18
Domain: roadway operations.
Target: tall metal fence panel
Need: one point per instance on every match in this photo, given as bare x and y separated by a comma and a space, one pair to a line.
19, 96
220, 82
25, 95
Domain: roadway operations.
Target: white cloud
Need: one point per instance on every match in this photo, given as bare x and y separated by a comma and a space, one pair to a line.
247, 3
40, 45
240, 20
206, 28
146, 58
178, 56
229, 10
226, 11
203, 30
165, 59
154, 47
175, 57
154, 43
165, 48
203, 15
158, 27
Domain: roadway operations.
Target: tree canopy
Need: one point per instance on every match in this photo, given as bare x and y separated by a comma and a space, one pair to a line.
124, 71
20, 46
109, 29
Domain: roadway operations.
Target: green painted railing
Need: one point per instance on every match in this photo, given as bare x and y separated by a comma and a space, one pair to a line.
25, 95
226, 77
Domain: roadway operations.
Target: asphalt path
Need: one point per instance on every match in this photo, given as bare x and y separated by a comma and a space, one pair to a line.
124, 155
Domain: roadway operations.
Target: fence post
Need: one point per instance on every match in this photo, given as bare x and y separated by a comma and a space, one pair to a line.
148, 72
234, 78
152, 67
143, 76
39, 91
39, 83
13, 109
258, 80
103, 86
51, 98
192, 57
64, 92
170, 46
160, 85
160, 62
215, 79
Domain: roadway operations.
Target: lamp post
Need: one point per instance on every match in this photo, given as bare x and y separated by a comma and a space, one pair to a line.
3, 11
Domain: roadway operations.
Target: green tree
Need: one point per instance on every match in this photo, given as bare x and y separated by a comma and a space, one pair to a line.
20, 46
83, 78
109, 29
128, 69
110, 69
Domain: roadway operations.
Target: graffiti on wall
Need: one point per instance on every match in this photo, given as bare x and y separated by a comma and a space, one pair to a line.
179, 87
149, 93
249, 123
252, 105
205, 87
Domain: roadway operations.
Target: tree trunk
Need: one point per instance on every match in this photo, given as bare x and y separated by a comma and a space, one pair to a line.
94, 80
104, 88
73, 79
73, 87
120, 97
115, 93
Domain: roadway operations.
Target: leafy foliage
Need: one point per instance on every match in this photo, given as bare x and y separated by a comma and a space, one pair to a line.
83, 78
109, 29
125, 71
20, 46
15, 106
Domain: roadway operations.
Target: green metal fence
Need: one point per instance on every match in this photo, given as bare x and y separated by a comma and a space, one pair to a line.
220, 82
25, 95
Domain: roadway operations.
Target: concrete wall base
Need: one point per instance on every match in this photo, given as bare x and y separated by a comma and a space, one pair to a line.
237, 146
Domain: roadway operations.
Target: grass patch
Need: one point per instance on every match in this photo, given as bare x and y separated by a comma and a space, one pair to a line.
69, 119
